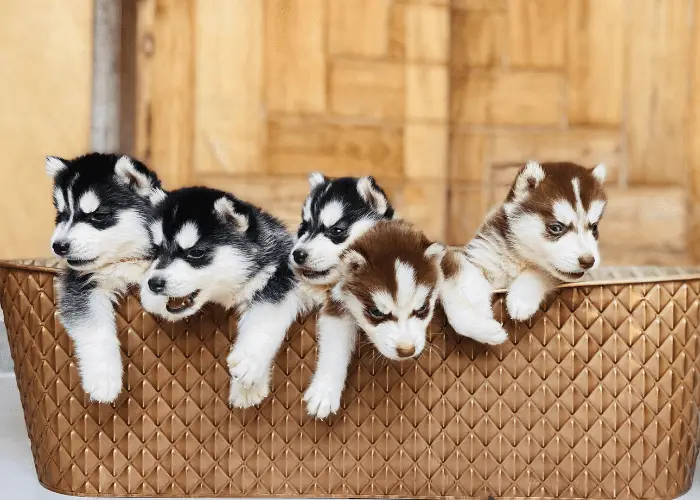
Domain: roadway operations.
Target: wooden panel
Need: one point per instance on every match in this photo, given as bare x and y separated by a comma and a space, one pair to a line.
479, 4
477, 38
295, 65
588, 147
229, 128
470, 153
657, 86
537, 33
46, 54
397, 31
522, 98
424, 203
595, 57
367, 88
358, 27
467, 209
299, 146
165, 89
427, 92
693, 134
427, 33
425, 151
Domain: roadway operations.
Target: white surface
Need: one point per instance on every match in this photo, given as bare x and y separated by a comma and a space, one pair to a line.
17, 477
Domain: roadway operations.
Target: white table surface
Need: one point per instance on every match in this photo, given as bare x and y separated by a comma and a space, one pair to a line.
17, 477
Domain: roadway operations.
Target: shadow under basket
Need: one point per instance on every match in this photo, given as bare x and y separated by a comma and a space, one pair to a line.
596, 397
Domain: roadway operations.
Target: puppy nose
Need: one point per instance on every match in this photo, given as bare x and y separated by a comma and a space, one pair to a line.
586, 261
156, 285
300, 255
405, 351
61, 248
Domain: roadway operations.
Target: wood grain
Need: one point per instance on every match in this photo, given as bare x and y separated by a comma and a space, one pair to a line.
477, 38
295, 61
537, 33
427, 92
367, 88
427, 33
358, 27
229, 127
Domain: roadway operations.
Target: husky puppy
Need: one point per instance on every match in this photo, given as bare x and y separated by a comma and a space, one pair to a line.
390, 278
545, 233
213, 247
104, 206
335, 213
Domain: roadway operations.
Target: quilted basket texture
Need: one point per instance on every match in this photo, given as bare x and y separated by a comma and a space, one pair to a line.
596, 397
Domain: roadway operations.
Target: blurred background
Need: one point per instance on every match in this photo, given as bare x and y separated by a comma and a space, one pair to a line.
441, 100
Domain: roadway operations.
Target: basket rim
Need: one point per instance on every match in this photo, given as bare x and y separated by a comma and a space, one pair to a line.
672, 273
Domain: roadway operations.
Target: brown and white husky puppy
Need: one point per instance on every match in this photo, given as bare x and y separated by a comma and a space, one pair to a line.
545, 233
389, 284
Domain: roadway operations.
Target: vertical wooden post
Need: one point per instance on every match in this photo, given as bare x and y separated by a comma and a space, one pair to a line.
104, 135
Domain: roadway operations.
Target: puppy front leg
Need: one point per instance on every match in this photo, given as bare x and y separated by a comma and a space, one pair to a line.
261, 331
336, 342
526, 293
94, 333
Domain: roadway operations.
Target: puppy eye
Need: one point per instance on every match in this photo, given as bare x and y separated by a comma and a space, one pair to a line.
98, 216
303, 227
195, 254
423, 310
337, 231
594, 229
376, 313
556, 228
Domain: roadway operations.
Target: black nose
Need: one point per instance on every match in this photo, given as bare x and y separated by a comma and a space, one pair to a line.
61, 248
586, 261
156, 285
299, 255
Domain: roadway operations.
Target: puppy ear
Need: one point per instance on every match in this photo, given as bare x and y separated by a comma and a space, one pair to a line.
139, 181
316, 179
225, 209
373, 195
435, 252
528, 178
55, 165
599, 173
352, 261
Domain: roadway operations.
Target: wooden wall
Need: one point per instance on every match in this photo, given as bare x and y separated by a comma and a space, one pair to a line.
45, 56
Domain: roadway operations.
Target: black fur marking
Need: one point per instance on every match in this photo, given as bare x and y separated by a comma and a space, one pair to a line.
355, 208
279, 285
75, 289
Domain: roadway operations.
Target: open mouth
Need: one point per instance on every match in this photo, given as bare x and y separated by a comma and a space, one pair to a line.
314, 275
572, 276
80, 262
178, 304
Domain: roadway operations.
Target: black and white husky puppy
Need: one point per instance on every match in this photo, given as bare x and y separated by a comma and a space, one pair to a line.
104, 207
335, 214
213, 247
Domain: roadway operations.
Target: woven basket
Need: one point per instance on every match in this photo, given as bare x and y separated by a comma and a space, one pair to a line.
597, 397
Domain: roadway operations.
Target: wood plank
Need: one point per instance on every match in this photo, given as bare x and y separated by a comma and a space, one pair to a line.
588, 147
425, 151
427, 92
369, 89
470, 156
45, 111
477, 38
165, 88
427, 33
295, 60
479, 4
397, 31
693, 141
658, 90
300, 146
516, 98
358, 27
537, 33
422, 202
467, 209
229, 128
595, 56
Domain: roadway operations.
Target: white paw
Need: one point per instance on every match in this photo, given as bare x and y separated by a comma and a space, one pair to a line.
246, 397
246, 369
488, 332
522, 307
102, 381
322, 398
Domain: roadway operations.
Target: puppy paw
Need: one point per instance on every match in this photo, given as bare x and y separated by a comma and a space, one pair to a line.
522, 307
246, 369
102, 381
322, 399
246, 397
490, 332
